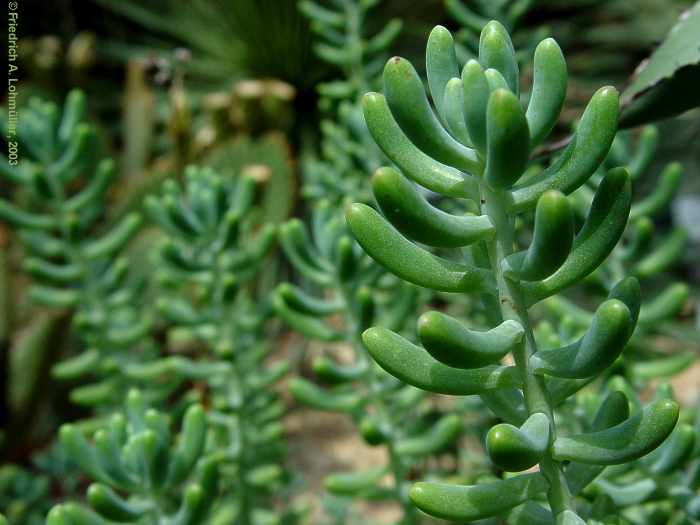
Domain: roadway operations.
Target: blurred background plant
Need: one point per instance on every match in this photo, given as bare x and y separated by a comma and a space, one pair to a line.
269, 90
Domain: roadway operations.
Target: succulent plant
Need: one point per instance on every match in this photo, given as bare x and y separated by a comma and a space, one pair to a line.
476, 145
73, 253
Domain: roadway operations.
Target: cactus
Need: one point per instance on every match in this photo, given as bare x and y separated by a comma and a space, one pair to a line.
481, 154
72, 256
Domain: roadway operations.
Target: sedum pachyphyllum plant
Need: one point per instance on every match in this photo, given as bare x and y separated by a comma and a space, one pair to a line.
135, 453
74, 255
476, 146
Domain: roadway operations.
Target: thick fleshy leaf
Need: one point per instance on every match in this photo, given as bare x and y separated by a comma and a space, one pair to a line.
670, 251
452, 343
610, 330
408, 211
548, 90
507, 140
589, 146
409, 105
410, 262
476, 98
496, 51
659, 199
321, 399
454, 111
552, 239
603, 227
413, 163
353, 483
637, 436
440, 65
440, 435
464, 503
413, 365
515, 449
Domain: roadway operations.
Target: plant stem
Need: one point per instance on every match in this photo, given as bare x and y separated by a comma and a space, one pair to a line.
513, 308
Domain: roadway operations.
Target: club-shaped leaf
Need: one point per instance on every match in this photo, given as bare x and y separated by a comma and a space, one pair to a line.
614, 410
552, 239
610, 330
589, 146
496, 51
409, 105
638, 435
660, 198
407, 260
454, 111
452, 343
441, 435
665, 305
440, 66
476, 98
515, 449
413, 365
548, 90
507, 139
307, 324
321, 399
664, 256
413, 163
465, 503
603, 227
353, 483
412, 215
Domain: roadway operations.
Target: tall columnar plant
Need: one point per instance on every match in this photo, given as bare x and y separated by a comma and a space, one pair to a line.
73, 256
345, 293
214, 249
476, 145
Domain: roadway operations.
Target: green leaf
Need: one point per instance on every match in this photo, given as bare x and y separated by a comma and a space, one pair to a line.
638, 435
659, 199
309, 394
409, 105
441, 434
666, 305
451, 343
111, 505
412, 162
664, 256
603, 342
410, 262
440, 65
552, 239
515, 449
496, 51
353, 483
587, 149
413, 365
463, 503
548, 90
507, 139
476, 98
303, 323
664, 85
603, 227
404, 206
